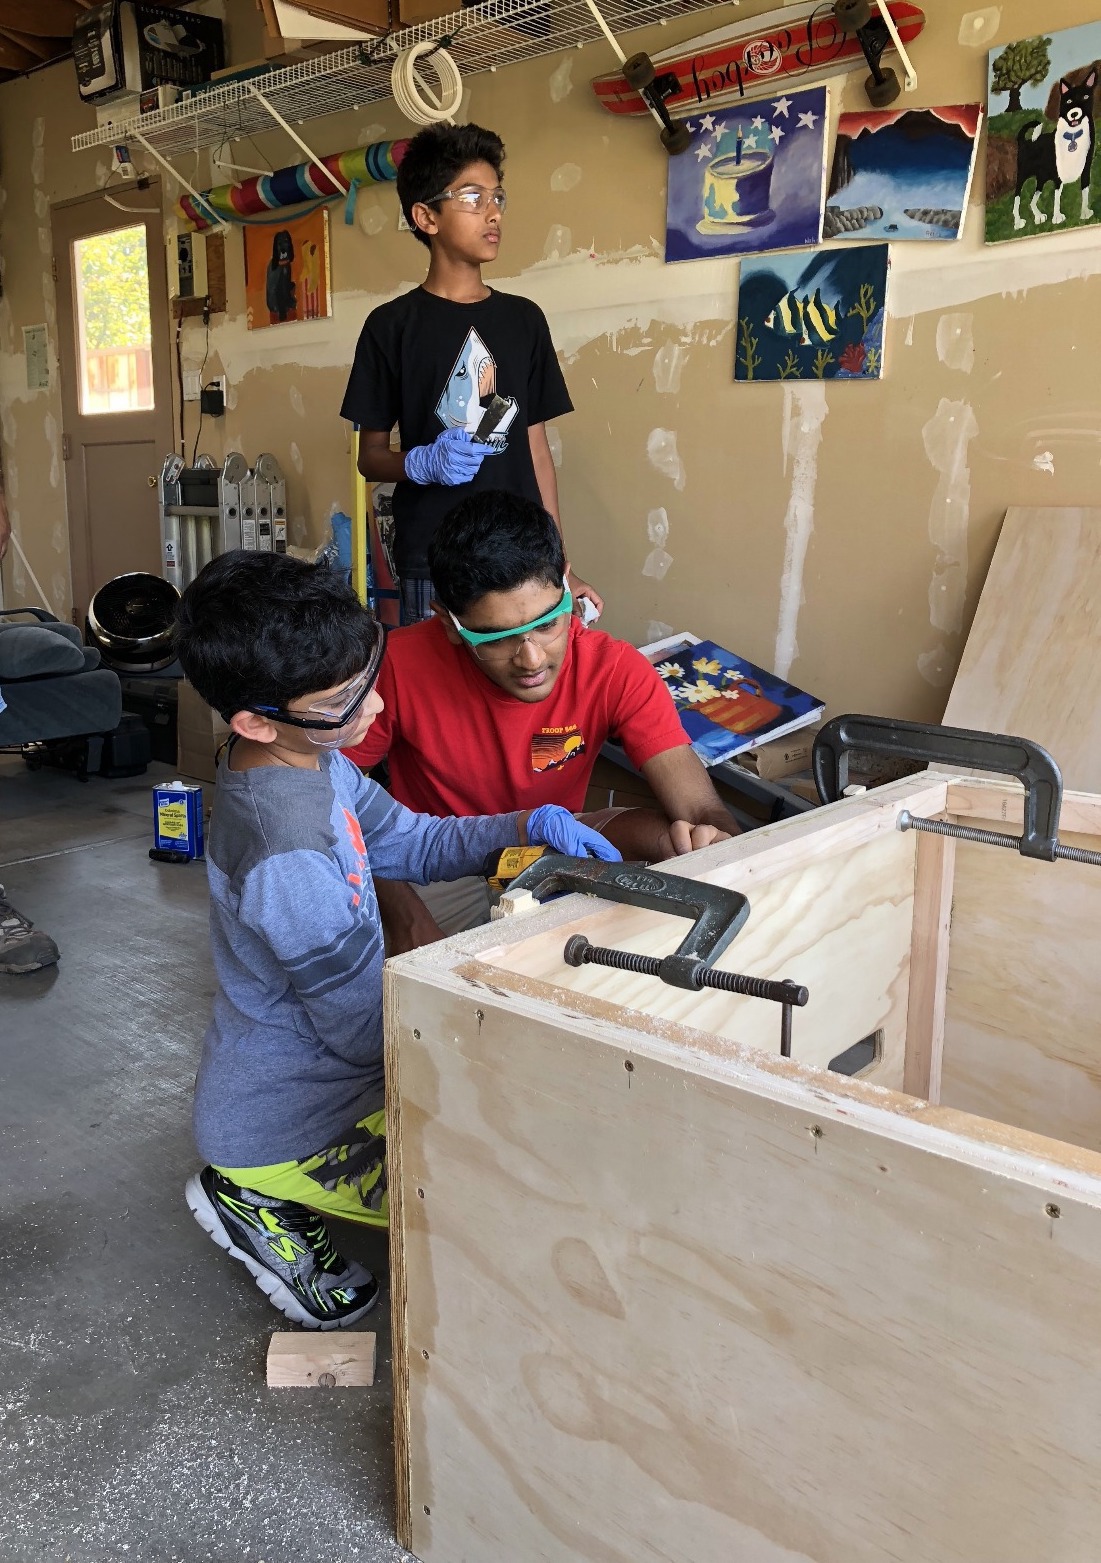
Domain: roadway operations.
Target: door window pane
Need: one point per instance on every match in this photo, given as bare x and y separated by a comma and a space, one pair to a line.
111, 284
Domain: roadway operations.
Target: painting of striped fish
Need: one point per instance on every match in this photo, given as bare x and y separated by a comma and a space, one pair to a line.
813, 317
809, 319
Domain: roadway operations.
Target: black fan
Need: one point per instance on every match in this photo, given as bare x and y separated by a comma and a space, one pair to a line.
130, 620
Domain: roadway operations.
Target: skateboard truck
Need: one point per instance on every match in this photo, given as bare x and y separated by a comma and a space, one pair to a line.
638, 72
959, 747
875, 30
717, 916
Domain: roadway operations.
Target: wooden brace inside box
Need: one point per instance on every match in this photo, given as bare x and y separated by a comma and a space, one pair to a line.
660, 1293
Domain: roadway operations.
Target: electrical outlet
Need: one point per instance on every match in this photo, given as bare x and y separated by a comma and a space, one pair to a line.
192, 385
220, 381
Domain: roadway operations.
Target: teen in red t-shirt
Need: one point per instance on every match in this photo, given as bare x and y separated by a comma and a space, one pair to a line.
503, 701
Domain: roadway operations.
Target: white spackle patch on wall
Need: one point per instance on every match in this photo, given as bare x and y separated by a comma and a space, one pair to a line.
49, 427
956, 341
554, 440
805, 411
936, 667
59, 536
561, 83
657, 629
669, 362
298, 529
661, 448
372, 132
947, 436
296, 457
565, 176
559, 243
41, 205
296, 401
372, 218
977, 28
38, 155
658, 559
1044, 462
45, 243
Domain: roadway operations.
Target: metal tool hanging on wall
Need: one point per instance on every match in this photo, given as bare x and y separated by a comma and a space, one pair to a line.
717, 917
963, 749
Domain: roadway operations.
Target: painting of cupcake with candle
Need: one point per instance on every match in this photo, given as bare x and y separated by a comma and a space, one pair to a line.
753, 179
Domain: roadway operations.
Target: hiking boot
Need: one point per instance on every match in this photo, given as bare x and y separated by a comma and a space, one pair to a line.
286, 1249
22, 948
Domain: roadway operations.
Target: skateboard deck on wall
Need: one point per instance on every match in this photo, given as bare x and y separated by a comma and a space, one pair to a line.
734, 62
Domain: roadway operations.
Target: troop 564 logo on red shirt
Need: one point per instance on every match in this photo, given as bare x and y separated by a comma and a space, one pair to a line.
554, 747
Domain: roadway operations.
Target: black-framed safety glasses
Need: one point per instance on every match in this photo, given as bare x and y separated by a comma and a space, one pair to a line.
333, 715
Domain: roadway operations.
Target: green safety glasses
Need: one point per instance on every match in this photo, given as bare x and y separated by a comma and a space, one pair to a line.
502, 645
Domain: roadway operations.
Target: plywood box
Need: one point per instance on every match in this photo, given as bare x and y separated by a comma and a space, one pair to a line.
660, 1293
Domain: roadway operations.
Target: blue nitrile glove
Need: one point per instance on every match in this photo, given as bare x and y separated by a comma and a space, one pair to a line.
556, 827
452, 458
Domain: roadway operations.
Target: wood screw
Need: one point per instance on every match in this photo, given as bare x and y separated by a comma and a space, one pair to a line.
628, 1066
416, 1036
420, 1193
479, 1015
326, 1380
424, 1354
426, 1509
1053, 1211
816, 1131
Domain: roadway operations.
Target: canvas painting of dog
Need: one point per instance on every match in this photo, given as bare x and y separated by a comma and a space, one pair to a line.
1043, 167
287, 269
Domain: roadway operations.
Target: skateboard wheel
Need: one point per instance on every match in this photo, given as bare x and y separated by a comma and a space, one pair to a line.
676, 139
638, 71
881, 93
852, 15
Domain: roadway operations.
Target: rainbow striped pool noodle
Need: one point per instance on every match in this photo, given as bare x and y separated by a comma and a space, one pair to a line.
376, 164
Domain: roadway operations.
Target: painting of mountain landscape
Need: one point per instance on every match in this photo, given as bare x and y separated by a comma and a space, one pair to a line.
903, 175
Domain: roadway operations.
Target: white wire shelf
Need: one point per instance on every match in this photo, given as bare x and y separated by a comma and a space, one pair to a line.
484, 37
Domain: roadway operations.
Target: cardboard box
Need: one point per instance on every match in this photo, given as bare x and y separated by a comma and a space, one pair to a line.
412, 11
783, 756
200, 733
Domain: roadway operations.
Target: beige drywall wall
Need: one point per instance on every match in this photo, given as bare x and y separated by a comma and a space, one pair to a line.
839, 532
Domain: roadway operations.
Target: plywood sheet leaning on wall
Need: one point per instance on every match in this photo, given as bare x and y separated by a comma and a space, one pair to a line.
659, 1294
1030, 666
1023, 1024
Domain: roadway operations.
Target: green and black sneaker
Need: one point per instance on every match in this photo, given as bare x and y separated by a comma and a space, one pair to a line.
286, 1249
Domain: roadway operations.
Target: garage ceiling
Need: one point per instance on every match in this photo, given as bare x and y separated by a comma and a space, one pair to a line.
34, 31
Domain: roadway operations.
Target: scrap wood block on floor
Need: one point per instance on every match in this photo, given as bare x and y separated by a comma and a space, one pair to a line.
297, 1360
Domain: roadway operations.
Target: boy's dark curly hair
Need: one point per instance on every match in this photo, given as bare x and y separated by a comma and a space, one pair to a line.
264, 629
434, 157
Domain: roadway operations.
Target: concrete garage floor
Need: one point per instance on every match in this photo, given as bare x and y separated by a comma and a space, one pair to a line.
134, 1419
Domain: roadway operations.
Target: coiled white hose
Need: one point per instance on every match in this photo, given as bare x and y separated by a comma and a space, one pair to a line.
415, 98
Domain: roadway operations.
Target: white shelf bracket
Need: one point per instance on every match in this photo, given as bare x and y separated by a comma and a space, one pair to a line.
211, 216
311, 155
889, 23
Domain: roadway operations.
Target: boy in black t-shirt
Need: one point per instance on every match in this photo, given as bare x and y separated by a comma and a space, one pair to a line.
432, 360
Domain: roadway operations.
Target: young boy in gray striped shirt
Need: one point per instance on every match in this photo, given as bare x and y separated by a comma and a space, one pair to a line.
289, 1099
